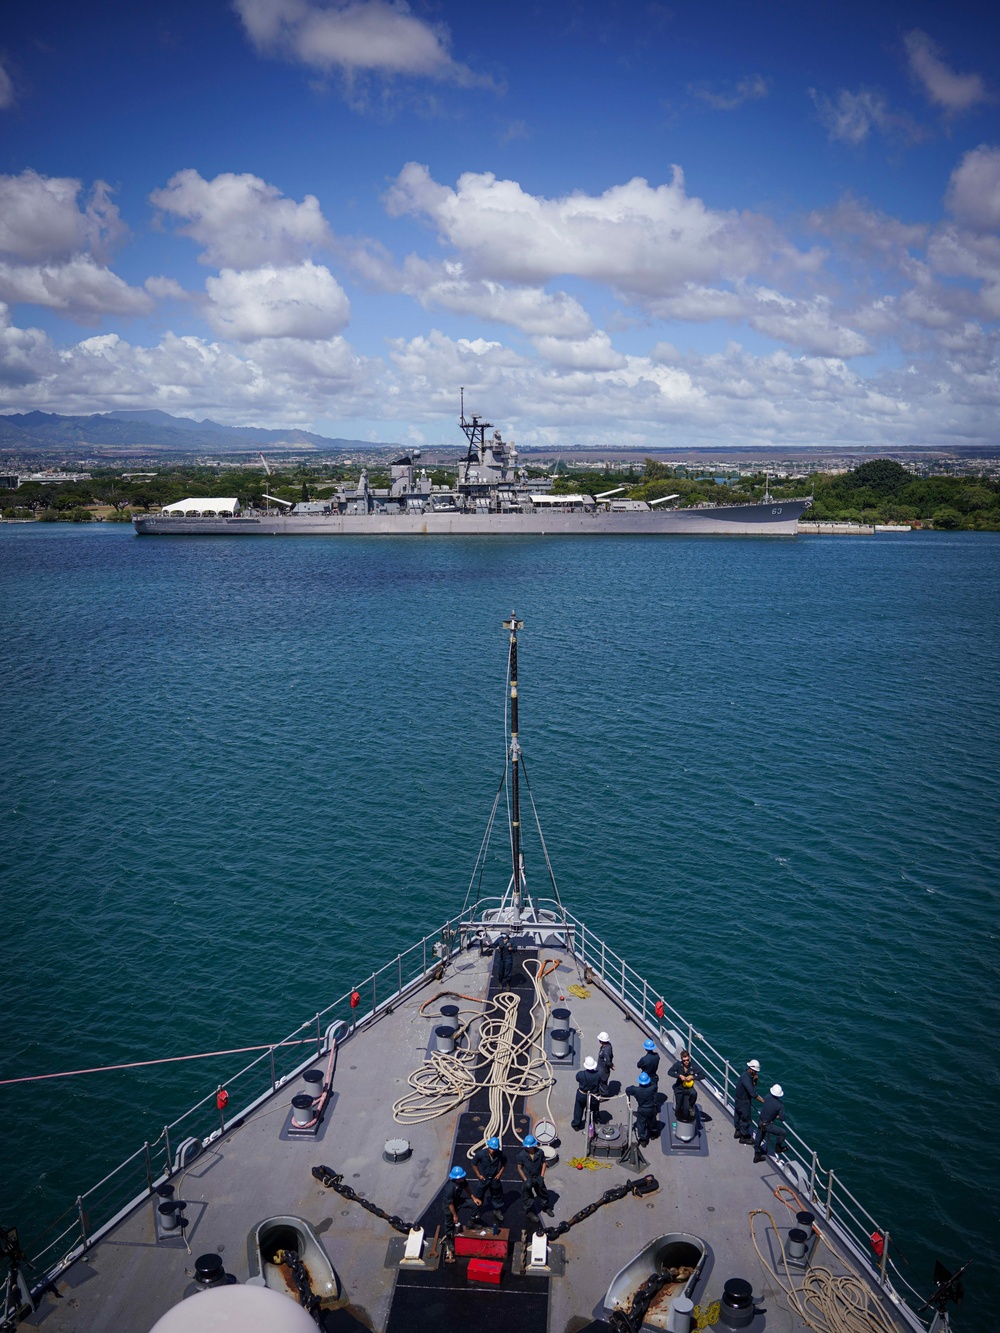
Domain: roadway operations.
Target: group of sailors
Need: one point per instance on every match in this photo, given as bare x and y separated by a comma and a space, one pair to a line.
594, 1082
485, 1189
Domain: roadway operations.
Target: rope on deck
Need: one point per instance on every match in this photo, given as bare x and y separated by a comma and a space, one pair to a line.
824, 1300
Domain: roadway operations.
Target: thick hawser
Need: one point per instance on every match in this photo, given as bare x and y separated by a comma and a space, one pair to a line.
335, 1201
492, 497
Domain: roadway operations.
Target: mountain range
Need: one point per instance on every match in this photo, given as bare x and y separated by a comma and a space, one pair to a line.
153, 431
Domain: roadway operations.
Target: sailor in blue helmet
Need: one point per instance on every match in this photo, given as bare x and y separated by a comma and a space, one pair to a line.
643, 1093
649, 1062
746, 1092
531, 1169
488, 1164
770, 1131
586, 1097
456, 1192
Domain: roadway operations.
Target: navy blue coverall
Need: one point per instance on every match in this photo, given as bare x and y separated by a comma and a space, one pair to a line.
770, 1128
531, 1165
455, 1194
645, 1110
506, 966
489, 1163
605, 1064
589, 1082
649, 1064
746, 1091
684, 1098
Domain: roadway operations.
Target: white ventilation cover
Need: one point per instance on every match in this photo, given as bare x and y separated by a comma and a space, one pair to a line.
235, 1310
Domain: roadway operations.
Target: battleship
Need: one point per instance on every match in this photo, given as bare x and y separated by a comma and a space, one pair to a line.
492, 497
344, 1179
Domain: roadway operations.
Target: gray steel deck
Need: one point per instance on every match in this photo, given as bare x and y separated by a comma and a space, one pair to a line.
129, 1278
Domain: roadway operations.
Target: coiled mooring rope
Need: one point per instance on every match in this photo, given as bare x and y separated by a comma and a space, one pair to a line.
514, 1065
826, 1301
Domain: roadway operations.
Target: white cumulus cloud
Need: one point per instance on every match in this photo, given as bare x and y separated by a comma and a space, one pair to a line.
593, 353
446, 286
642, 240
367, 36
974, 189
41, 218
942, 86
53, 247
80, 288
301, 302
240, 220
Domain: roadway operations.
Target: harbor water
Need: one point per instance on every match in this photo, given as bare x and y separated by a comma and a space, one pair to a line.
237, 774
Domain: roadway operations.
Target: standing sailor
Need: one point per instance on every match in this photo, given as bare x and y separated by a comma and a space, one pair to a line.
505, 969
531, 1169
649, 1062
746, 1091
644, 1095
588, 1081
488, 1164
770, 1131
605, 1063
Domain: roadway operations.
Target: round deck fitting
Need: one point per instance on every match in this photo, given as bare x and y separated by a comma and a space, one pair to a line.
396, 1150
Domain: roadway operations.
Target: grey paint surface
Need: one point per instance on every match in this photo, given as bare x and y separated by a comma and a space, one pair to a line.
129, 1279
778, 520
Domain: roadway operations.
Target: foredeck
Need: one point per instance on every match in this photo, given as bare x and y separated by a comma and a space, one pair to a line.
132, 1275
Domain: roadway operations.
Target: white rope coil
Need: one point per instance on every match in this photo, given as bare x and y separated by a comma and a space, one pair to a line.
513, 1064
826, 1301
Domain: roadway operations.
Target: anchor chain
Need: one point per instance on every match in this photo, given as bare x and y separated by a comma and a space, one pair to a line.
644, 1185
307, 1297
332, 1180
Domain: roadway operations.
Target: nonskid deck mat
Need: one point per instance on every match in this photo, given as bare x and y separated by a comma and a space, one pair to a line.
444, 1299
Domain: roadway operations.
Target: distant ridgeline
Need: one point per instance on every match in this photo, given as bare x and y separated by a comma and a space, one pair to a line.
879, 491
159, 432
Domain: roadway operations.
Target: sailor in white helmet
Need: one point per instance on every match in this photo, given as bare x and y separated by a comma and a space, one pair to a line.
746, 1092
605, 1063
588, 1080
770, 1131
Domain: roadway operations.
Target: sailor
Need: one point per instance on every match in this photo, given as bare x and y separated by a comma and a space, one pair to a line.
605, 1063
531, 1169
505, 967
588, 1081
456, 1192
488, 1164
770, 1131
746, 1092
649, 1062
684, 1072
643, 1093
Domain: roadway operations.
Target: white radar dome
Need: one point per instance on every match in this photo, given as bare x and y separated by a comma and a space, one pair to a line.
235, 1310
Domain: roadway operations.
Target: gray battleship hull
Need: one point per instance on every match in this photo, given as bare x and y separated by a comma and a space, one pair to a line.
765, 520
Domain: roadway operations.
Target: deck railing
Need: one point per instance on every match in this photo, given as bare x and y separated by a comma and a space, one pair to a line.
135, 1179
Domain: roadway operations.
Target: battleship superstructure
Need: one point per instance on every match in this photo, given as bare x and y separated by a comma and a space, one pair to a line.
310, 1190
492, 496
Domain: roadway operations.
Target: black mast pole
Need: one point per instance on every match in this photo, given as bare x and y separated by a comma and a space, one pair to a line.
515, 761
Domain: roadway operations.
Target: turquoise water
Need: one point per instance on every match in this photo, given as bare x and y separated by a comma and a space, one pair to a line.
766, 770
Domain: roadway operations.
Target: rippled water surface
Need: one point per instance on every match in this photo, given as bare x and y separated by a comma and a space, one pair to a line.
767, 770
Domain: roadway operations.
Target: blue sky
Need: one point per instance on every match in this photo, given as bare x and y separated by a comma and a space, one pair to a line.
614, 224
